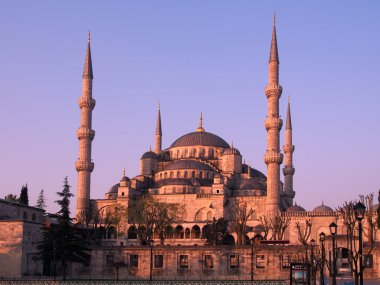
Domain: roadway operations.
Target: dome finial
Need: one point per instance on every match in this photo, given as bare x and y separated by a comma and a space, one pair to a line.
200, 128
124, 172
274, 18
150, 147
249, 170
89, 36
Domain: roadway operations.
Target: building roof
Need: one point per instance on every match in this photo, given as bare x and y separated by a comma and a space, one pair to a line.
231, 150
200, 138
295, 208
323, 208
149, 154
188, 164
114, 188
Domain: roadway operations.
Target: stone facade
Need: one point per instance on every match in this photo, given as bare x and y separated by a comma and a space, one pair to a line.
20, 227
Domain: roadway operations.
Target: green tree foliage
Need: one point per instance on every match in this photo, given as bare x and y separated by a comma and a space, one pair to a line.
41, 201
11, 197
62, 242
216, 232
148, 214
24, 195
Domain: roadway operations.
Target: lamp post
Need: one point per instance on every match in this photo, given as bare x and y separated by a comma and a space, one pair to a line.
333, 229
312, 244
359, 210
151, 243
252, 242
322, 238
54, 263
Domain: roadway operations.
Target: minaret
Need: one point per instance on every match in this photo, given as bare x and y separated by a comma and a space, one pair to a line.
158, 136
273, 157
85, 134
288, 148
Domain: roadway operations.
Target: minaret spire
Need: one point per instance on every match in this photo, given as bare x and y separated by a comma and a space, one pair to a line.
273, 124
86, 134
158, 136
288, 148
200, 128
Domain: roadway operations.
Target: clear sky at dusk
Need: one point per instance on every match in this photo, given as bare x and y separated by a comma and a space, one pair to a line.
192, 56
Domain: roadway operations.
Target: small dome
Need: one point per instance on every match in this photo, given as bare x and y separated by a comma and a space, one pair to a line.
114, 188
200, 138
252, 183
231, 150
149, 154
323, 208
295, 208
188, 164
125, 178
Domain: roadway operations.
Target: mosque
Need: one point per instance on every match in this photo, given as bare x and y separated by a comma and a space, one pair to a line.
200, 170
207, 176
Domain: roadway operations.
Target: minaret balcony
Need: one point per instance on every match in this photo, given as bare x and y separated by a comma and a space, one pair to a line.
87, 103
288, 148
273, 90
82, 165
85, 133
273, 123
288, 170
273, 157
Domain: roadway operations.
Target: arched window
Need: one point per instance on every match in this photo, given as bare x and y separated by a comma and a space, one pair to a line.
179, 232
211, 152
169, 232
193, 174
111, 233
187, 233
200, 174
194, 152
196, 232
171, 174
25, 215
177, 153
201, 152
165, 175
132, 233
33, 217
178, 174
160, 175
185, 153
185, 174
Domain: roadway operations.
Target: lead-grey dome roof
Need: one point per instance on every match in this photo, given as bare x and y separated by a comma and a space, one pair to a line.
323, 208
188, 164
295, 208
149, 154
200, 138
114, 188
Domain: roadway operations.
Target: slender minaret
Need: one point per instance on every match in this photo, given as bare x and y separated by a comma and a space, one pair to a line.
273, 157
158, 136
85, 134
288, 148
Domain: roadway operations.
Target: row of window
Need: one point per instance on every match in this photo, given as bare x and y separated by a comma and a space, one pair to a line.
25, 216
186, 174
201, 152
183, 261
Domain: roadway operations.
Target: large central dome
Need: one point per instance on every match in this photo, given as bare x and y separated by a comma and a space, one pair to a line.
200, 138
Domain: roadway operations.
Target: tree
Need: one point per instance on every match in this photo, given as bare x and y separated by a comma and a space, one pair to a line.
239, 216
274, 229
304, 231
24, 195
350, 223
62, 242
149, 215
41, 200
216, 232
11, 197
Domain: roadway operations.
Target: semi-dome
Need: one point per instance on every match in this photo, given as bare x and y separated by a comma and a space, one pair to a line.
323, 208
149, 154
295, 208
114, 188
231, 150
200, 138
188, 164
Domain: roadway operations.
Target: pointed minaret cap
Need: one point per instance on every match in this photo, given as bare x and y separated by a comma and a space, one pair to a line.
288, 117
87, 71
200, 128
158, 125
273, 49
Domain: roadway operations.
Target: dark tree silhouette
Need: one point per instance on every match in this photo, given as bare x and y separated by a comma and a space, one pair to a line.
24, 195
41, 201
11, 197
216, 232
62, 242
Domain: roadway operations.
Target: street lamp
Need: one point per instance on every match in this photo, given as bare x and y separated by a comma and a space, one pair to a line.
312, 244
322, 237
333, 229
151, 243
359, 210
252, 242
